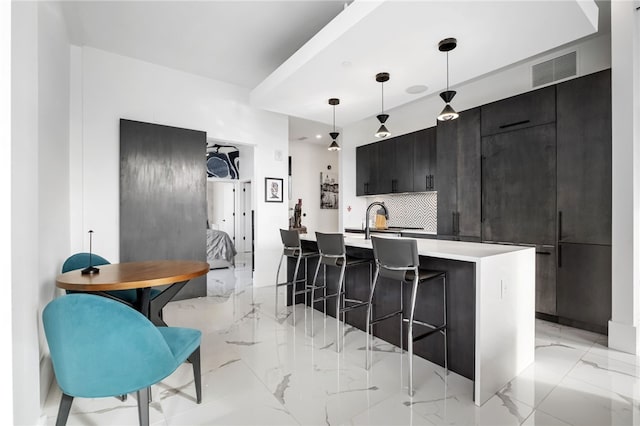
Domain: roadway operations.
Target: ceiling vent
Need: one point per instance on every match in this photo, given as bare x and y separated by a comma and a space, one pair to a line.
554, 69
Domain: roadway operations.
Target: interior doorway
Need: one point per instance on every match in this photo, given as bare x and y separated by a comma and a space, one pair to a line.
229, 210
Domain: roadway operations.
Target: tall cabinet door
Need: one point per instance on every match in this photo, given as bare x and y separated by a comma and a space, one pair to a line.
402, 147
519, 186
468, 175
367, 169
446, 177
584, 285
584, 159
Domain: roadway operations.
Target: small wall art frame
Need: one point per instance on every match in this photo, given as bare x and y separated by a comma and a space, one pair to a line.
273, 192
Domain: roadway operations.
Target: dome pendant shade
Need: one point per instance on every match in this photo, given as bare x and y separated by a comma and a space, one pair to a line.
382, 132
334, 146
448, 113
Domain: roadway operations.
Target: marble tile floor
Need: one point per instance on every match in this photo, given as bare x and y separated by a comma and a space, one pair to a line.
258, 369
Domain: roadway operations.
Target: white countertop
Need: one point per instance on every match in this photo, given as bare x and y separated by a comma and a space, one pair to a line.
445, 249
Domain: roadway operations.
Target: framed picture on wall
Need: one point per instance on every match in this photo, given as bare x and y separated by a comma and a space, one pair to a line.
273, 190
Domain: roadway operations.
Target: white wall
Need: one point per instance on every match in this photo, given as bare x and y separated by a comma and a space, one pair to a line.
308, 160
6, 371
593, 55
115, 87
40, 189
624, 327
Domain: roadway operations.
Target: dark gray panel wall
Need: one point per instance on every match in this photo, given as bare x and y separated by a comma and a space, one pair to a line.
163, 196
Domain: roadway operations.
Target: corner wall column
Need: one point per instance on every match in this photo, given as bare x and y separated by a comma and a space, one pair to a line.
624, 326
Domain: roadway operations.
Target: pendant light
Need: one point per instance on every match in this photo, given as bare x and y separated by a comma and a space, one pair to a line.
448, 113
334, 135
382, 117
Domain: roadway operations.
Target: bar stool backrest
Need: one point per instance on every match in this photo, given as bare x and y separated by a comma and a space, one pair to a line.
291, 242
395, 256
331, 247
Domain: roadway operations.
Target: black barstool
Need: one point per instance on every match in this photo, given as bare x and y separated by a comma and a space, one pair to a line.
333, 253
292, 247
397, 259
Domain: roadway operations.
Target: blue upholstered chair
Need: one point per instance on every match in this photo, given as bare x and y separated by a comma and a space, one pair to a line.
81, 261
101, 348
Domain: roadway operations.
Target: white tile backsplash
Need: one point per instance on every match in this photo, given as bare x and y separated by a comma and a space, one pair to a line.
412, 210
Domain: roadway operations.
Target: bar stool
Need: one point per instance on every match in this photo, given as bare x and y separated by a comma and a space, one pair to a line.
333, 253
397, 259
292, 247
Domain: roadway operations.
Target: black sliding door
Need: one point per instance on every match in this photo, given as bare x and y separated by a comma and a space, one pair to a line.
163, 210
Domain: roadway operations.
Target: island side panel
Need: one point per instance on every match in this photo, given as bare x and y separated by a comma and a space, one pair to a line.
505, 320
461, 296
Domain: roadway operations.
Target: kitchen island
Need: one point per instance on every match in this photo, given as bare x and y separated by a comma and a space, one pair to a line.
490, 306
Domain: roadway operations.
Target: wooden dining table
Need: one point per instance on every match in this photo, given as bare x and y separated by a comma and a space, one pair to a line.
141, 276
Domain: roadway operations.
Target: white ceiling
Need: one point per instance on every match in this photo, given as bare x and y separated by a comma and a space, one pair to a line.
296, 54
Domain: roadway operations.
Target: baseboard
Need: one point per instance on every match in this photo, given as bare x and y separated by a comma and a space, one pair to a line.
46, 379
547, 317
573, 323
624, 337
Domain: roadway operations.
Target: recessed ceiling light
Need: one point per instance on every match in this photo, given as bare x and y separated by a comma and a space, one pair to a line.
318, 136
418, 88
303, 138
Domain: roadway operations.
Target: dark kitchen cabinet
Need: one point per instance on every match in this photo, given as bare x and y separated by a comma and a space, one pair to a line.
584, 159
521, 111
457, 177
397, 153
424, 160
367, 169
584, 285
546, 279
519, 186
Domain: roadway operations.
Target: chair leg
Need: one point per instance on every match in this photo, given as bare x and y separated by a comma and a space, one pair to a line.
194, 359
338, 297
295, 288
368, 331
143, 406
277, 281
313, 292
444, 301
63, 411
414, 292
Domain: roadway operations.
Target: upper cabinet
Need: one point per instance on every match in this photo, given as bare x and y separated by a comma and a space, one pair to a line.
584, 159
457, 177
367, 169
390, 166
518, 112
424, 160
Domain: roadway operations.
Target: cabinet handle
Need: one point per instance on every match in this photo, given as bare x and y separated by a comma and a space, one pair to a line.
427, 179
366, 188
560, 225
433, 184
545, 253
504, 126
453, 223
458, 223
394, 185
559, 256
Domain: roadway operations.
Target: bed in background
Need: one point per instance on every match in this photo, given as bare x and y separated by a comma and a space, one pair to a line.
220, 249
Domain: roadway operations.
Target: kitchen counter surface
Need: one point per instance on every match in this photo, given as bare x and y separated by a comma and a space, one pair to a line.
445, 249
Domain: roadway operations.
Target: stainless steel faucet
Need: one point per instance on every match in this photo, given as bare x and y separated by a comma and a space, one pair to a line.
367, 233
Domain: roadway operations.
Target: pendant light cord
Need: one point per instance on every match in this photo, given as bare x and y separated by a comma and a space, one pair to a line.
382, 84
447, 71
334, 118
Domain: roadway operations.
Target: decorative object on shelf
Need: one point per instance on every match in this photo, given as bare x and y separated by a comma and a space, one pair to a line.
90, 270
334, 135
223, 161
328, 191
273, 190
296, 220
382, 132
448, 113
